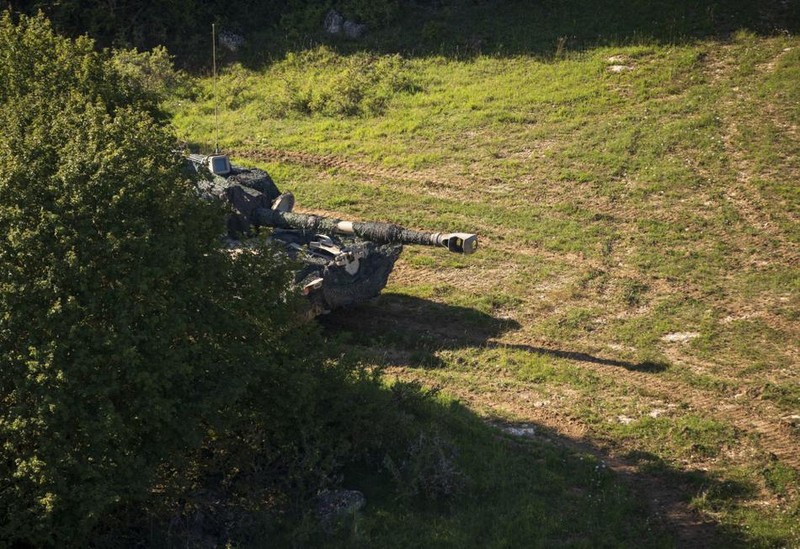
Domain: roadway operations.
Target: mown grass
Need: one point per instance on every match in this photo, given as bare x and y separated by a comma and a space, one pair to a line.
615, 209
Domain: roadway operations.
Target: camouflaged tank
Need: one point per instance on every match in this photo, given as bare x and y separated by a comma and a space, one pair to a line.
343, 262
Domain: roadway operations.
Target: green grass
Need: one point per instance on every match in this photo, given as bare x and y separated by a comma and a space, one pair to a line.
614, 209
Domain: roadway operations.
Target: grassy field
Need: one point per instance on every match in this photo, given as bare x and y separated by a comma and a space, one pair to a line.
618, 363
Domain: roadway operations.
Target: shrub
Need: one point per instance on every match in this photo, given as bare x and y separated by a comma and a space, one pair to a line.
320, 81
151, 69
126, 335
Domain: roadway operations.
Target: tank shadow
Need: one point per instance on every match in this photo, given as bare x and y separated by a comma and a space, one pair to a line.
419, 328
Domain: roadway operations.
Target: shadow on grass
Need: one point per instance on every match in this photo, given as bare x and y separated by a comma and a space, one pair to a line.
645, 366
527, 484
422, 327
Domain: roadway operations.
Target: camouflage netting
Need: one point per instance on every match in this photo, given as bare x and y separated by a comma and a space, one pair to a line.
245, 190
255, 179
340, 288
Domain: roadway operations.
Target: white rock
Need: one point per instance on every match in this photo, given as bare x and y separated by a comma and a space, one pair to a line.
353, 30
231, 40
680, 337
793, 420
333, 22
619, 68
520, 430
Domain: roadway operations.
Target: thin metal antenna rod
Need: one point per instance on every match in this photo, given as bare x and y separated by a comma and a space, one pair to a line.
216, 102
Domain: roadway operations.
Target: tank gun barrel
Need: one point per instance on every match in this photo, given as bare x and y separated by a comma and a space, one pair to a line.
382, 233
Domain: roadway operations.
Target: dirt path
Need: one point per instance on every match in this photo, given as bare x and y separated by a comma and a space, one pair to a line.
337, 162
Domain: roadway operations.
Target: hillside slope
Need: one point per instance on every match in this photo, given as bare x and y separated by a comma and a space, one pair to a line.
637, 291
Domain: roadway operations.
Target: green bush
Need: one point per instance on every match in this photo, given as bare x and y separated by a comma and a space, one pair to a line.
428, 469
374, 13
126, 334
320, 81
151, 69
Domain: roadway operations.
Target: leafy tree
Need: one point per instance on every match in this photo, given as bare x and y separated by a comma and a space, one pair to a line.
126, 334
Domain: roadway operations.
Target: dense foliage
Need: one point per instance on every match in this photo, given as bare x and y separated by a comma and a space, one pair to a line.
319, 81
153, 386
127, 338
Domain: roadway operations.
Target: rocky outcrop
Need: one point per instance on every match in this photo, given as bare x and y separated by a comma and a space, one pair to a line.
337, 25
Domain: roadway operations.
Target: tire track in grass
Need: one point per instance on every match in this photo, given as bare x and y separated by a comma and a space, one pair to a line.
746, 198
667, 500
575, 259
369, 170
754, 417
762, 419
759, 418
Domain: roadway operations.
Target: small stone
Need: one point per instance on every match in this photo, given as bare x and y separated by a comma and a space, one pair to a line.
332, 504
619, 68
625, 420
791, 421
520, 430
680, 337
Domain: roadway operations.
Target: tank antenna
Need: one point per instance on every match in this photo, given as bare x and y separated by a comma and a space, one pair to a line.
216, 102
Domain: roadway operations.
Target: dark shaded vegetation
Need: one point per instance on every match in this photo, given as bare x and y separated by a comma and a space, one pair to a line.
184, 26
449, 27
551, 28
